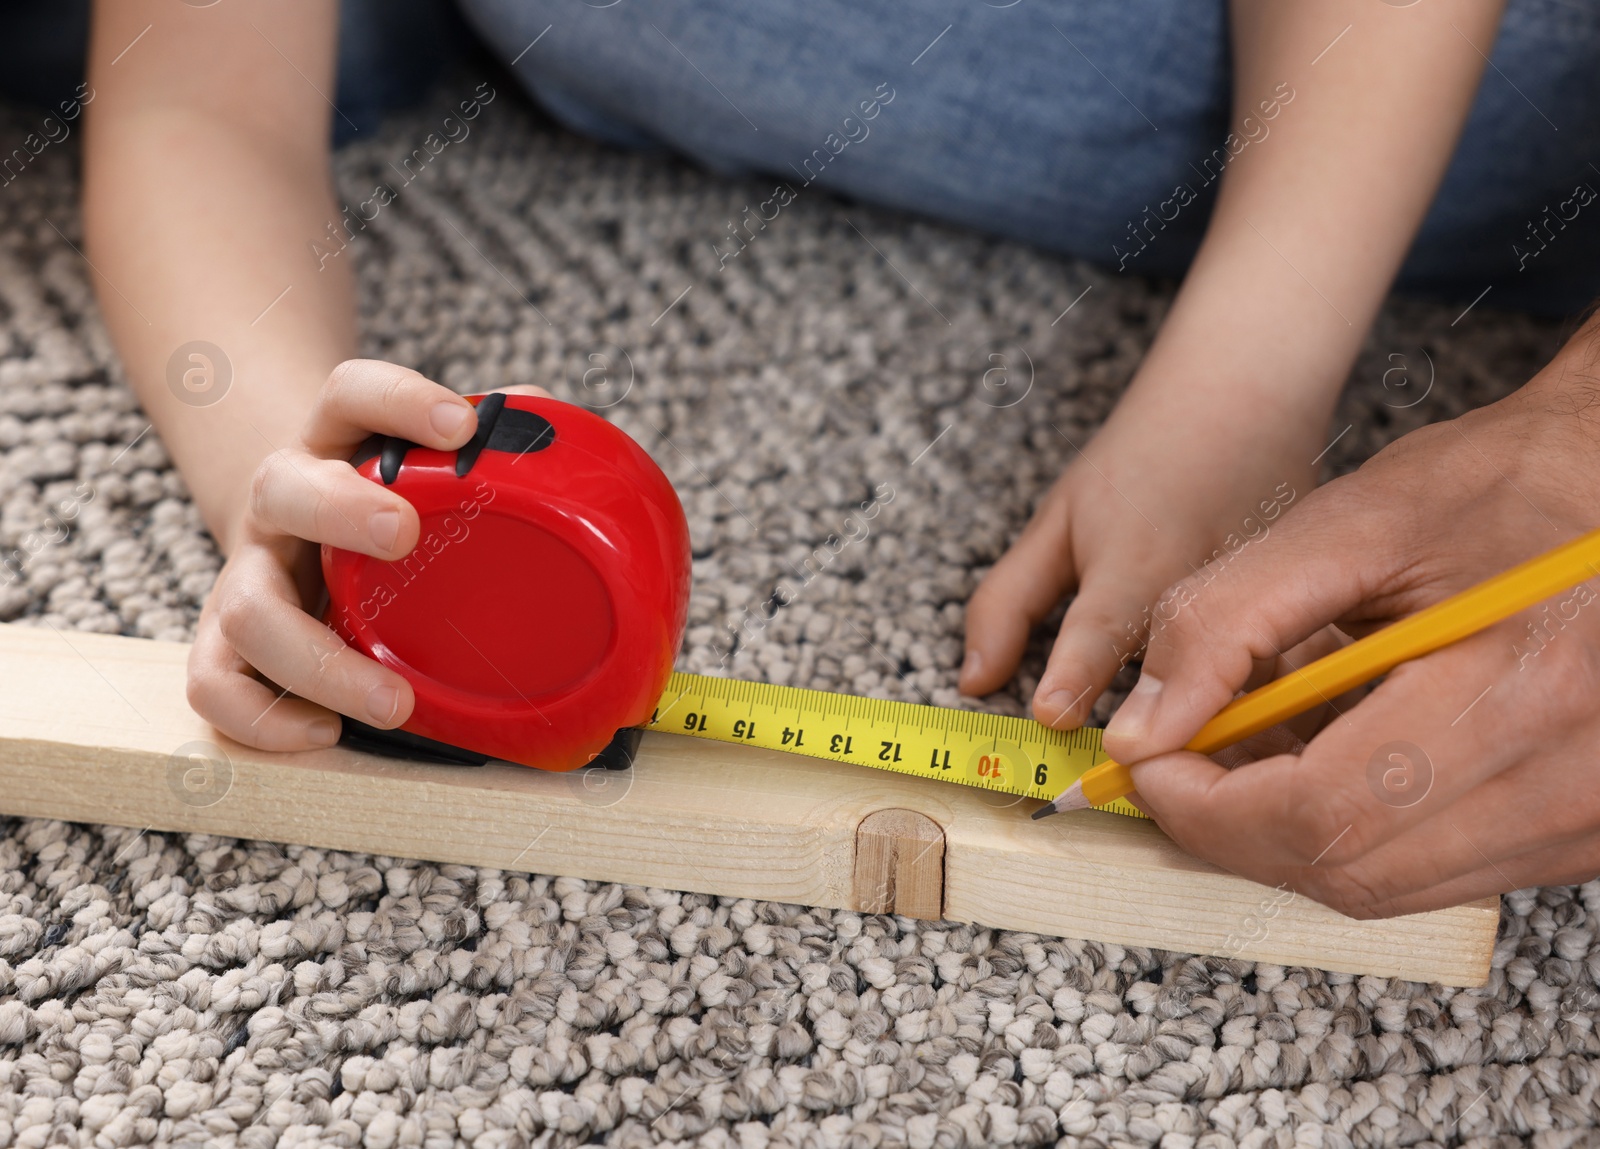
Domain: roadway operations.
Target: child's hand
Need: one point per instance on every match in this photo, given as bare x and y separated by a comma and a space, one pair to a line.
1234, 397
263, 670
1149, 501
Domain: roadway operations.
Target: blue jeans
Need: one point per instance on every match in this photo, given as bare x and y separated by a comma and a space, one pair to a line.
1071, 126
390, 51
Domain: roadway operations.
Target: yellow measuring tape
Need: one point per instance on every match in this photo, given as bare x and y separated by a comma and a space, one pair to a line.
990, 751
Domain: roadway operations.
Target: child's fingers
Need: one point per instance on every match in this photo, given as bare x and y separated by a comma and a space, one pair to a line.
224, 692
1021, 589
363, 396
325, 501
1104, 629
259, 615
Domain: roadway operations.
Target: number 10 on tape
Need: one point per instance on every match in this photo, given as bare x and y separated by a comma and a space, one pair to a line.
989, 751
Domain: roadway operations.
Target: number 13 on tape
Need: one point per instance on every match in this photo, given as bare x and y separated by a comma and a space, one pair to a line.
989, 751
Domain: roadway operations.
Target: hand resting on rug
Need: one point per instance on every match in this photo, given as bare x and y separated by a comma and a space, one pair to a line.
1224, 424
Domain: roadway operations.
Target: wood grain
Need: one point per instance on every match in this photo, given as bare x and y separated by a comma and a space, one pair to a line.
95, 728
899, 865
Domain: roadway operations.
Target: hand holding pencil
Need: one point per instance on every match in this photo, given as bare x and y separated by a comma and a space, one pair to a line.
1466, 771
1465, 613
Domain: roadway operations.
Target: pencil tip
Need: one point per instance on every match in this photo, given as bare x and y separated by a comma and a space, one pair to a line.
1070, 799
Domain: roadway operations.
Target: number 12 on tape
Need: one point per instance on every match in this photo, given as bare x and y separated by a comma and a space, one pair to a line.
989, 751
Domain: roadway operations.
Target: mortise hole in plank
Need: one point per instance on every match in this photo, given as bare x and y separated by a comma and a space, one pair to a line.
900, 865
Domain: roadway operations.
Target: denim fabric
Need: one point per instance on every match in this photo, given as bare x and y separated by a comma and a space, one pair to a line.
390, 51
42, 49
1065, 125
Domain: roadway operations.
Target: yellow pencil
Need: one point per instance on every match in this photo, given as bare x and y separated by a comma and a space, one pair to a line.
1438, 626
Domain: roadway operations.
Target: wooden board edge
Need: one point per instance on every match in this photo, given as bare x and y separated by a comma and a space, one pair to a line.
788, 833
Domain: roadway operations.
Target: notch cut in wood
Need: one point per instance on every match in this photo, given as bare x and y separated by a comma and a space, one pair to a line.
96, 728
900, 865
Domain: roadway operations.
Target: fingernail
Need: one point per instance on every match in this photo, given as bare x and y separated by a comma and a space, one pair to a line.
384, 527
1133, 717
382, 704
448, 418
323, 732
1058, 704
972, 665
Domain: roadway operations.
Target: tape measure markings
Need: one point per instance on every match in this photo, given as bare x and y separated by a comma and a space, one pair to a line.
1003, 754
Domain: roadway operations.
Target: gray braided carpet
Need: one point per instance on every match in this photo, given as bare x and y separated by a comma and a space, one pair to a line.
195, 990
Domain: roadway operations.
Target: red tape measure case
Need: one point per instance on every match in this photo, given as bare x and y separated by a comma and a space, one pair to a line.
544, 605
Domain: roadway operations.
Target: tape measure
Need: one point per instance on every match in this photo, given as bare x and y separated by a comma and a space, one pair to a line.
993, 752
538, 617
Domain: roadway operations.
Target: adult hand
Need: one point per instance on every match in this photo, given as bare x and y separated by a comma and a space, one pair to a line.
1465, 773
262, 669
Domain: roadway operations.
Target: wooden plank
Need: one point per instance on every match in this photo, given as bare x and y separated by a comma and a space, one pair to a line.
95, 728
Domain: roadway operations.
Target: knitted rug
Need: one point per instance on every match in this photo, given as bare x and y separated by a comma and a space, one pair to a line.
193, 990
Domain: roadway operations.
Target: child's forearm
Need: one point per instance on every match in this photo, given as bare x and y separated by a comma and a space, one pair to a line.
1335, 155
199, 210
